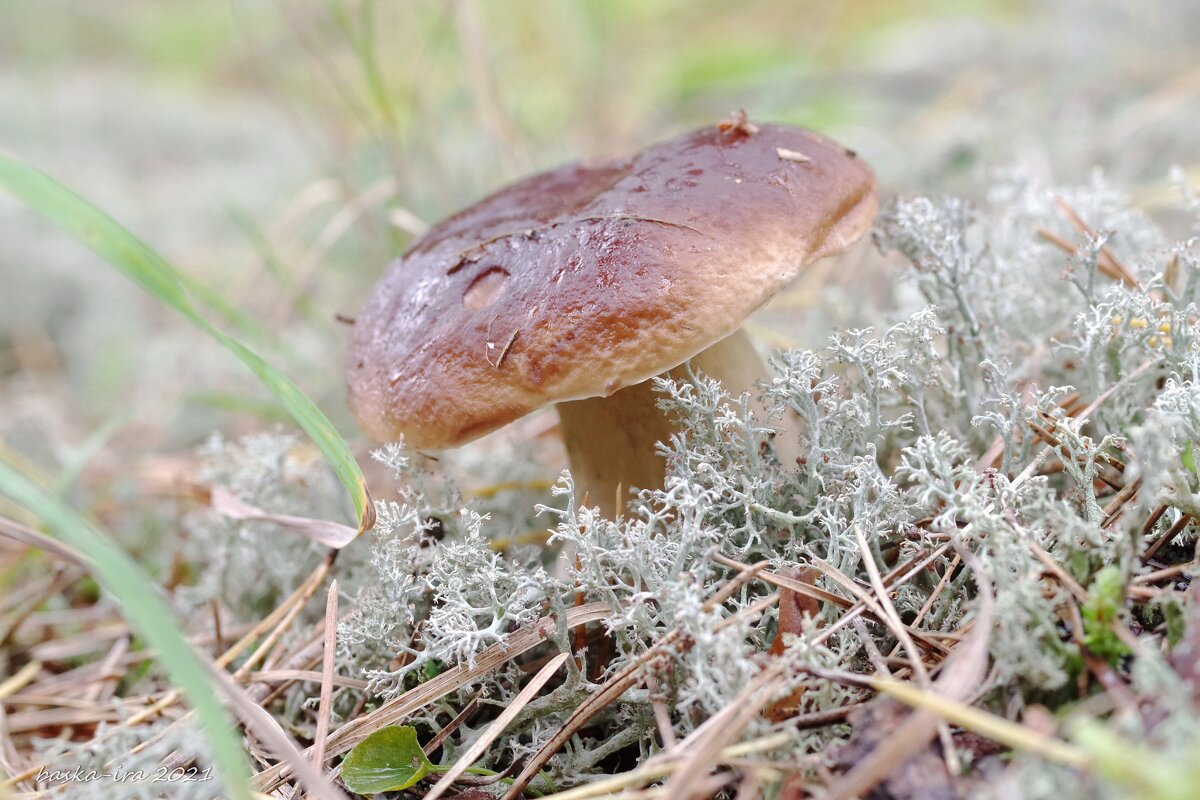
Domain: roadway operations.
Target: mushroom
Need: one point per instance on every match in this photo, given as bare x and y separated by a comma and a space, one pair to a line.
577, 285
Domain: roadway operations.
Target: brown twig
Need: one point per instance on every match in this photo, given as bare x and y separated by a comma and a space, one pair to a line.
1170, 534
433, 744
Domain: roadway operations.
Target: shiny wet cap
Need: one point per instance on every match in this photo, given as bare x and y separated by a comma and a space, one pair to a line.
588, 278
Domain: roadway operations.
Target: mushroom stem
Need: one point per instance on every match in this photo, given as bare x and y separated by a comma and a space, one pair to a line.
611, 440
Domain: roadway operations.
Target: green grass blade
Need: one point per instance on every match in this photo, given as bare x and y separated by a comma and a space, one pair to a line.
148, 614
152, 272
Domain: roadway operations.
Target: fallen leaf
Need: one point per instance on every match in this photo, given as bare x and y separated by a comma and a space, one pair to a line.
330, 534
793, 607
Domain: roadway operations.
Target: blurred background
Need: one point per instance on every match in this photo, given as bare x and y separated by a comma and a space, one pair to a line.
282, 152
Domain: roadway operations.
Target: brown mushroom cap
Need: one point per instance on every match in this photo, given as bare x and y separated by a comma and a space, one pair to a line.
585, 279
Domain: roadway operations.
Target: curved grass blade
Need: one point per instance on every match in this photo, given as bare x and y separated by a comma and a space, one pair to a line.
152, 272
148, 614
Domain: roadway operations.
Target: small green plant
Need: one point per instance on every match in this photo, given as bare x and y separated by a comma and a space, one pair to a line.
389, 760
1104, 609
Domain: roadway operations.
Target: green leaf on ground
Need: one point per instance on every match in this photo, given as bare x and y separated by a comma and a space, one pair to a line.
389, 760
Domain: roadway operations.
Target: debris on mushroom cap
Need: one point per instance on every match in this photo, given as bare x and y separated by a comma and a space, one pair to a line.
791, 155
584, 279
737, 122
